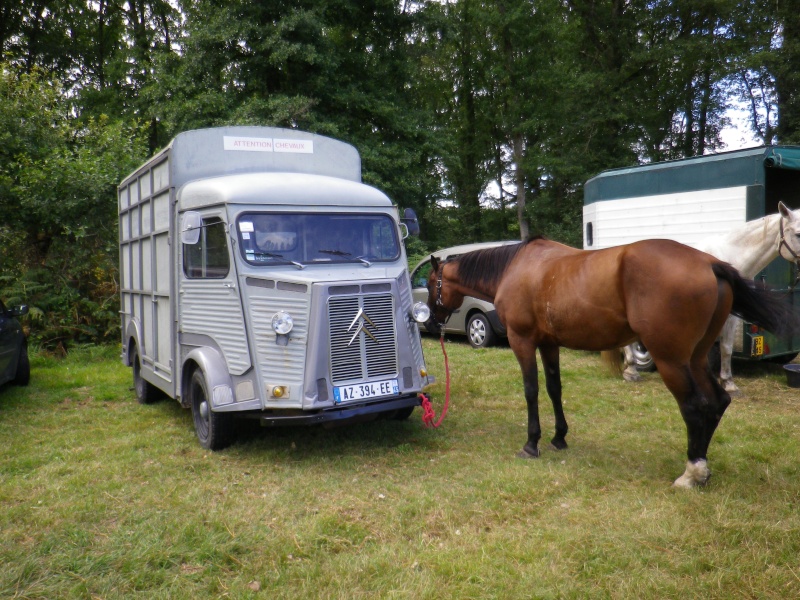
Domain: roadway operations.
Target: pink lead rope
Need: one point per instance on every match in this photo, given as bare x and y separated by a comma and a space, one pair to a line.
428, 414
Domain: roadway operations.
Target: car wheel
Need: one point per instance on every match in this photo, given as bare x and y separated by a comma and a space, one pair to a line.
146, 392
214, 430
23, 375
479, 331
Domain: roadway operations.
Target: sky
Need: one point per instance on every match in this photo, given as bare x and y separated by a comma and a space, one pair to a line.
738, 135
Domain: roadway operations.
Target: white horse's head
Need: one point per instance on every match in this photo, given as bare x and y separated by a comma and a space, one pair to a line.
789, 247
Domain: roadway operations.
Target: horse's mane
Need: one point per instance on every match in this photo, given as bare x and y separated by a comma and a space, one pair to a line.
486, 267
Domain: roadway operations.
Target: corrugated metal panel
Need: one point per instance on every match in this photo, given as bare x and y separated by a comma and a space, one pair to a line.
406, 300
283, 363
209, 308
363, 344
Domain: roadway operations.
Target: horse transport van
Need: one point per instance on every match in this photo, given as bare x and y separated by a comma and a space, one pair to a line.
694, 199
260, 278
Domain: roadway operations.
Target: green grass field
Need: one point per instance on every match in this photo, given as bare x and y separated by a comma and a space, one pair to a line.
101, 497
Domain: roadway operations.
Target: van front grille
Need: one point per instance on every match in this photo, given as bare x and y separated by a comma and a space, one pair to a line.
362, 338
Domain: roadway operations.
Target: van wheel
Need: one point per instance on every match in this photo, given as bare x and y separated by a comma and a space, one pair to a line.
403, 414
214, 430
146, 392
23, 375
480, 332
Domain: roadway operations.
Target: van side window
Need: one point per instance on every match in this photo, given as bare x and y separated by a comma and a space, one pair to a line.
208, 258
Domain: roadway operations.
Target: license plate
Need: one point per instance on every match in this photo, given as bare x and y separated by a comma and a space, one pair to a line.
365, 391
758, 345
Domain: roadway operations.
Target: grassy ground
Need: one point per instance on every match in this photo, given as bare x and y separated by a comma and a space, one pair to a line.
101, 497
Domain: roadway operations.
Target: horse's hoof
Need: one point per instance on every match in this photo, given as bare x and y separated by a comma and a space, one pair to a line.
696, 474
734, 392
527, 454
631, 377
559, 445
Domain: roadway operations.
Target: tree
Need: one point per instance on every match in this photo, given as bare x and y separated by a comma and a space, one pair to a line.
58, 178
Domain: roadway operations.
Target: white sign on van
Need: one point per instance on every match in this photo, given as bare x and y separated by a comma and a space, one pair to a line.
250, 144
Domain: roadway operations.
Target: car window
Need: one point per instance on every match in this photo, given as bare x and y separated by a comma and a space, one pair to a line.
208, 259
420, 276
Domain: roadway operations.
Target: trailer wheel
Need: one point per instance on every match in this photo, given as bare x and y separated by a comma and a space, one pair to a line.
146, 392
644, 362
214, 430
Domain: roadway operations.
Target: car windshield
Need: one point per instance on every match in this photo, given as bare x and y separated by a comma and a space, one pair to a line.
301, 238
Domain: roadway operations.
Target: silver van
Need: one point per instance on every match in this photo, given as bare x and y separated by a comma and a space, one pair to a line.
261, 278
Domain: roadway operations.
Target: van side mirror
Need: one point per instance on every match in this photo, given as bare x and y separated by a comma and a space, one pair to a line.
191, 224
410, 221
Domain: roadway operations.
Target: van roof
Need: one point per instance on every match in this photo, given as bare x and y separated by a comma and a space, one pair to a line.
299, 189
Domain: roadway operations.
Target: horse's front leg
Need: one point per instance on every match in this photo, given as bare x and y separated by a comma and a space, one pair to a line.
552, 375
525, 352
725, 354
631, 372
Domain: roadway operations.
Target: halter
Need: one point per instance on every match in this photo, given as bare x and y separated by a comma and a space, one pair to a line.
783, 244
437, 322
795, 256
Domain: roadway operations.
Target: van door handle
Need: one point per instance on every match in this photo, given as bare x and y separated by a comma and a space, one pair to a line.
231, 286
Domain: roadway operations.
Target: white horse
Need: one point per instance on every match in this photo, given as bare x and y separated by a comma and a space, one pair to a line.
749, 248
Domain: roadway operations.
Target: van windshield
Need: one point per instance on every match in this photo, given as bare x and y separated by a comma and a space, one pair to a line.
285, 238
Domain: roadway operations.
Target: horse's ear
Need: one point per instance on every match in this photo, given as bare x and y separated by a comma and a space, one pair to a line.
434, 263
786, 212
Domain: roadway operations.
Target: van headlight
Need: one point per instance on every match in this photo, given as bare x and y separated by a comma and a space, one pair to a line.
420, 312
282, 322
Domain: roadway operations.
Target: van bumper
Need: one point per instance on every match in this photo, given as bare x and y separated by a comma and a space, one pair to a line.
337, 414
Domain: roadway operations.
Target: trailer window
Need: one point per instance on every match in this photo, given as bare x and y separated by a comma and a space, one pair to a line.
208, 258
280, 238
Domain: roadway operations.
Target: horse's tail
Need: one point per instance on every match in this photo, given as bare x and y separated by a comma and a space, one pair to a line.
756, 303
613, 360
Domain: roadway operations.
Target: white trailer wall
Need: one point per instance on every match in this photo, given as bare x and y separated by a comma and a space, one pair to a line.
687, 217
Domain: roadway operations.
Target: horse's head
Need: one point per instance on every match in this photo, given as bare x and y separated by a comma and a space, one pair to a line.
789, 246
443, 295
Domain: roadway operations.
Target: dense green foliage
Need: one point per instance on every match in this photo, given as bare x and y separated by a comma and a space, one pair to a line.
485, 117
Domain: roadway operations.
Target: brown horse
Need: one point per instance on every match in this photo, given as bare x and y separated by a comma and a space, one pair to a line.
671, 297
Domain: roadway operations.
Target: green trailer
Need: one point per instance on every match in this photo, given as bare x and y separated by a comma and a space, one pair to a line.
692, 199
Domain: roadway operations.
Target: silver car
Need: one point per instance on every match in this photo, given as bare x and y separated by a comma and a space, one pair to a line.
477, 319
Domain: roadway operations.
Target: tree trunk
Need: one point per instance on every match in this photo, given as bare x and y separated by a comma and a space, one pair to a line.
519, 152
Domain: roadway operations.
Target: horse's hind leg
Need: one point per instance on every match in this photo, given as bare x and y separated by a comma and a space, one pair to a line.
701, 398
694, 407
725, 354
552, 374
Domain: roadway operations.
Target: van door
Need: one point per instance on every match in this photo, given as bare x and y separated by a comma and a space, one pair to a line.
209, 305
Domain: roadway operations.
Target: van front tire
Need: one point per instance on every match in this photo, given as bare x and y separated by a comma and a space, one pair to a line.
214, 429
